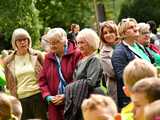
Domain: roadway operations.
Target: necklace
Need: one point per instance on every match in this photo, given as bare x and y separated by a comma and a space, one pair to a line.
22, 60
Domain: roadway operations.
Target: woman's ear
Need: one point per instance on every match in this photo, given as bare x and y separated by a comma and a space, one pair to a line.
126, 91
118, 117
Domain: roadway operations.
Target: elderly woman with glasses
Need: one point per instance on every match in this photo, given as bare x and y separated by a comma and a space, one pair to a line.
57, 71
21, 69
87, 75
144, 43
109, 34
123, 54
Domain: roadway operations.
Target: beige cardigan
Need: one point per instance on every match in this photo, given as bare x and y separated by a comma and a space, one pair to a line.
37, 61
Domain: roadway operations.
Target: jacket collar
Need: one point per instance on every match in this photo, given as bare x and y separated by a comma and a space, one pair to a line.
71, 49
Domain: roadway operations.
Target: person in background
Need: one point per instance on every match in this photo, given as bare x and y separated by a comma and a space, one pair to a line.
144, 43
144, 92
21, 69
123, 54
108, 35
71, 36
99, 107
44, 43
152, 111
153, 33
87, 75
57, 71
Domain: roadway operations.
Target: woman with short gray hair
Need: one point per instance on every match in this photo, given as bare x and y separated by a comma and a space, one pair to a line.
87, 76
57, 71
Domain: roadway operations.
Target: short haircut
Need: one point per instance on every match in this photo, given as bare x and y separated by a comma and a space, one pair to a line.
57, 34
18, 34
152, 111
5, 107
150, 87
99, 101
15, 106
123, 25
73, 26
153, 26
143, 28
136, 70
90, 36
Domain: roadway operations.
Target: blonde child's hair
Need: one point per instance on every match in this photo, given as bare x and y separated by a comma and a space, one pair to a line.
138, 69
152, 111
5, 107
99, 102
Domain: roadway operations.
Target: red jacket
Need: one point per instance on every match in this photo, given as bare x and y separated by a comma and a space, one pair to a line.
48, 78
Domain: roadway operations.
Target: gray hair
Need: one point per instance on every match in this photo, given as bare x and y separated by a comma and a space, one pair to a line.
143, 28
17, 33
90, 36
57, 34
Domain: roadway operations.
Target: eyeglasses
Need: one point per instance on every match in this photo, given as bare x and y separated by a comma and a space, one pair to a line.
22, 40
54, 42
145, 33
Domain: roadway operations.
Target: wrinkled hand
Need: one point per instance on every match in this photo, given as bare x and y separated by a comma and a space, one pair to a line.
58, 99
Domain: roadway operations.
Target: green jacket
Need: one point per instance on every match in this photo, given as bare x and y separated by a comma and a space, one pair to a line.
2, 76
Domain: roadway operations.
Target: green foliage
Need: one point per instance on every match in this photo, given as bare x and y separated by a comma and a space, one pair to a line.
16, 14
61, 13
36, 15
141, 10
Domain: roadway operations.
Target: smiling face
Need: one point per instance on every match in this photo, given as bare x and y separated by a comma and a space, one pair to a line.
84, 47
109, 36
56, 46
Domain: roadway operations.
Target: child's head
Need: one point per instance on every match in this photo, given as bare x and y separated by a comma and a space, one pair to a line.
152, 111
98, 107
137, 69
10, 107
144, 92
16, 107
5, 107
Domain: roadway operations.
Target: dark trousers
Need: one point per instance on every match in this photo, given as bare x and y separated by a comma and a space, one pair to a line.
34, 107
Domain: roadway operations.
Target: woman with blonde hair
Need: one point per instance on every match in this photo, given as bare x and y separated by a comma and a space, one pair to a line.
21, 69
109, 38
87, 75
123, 54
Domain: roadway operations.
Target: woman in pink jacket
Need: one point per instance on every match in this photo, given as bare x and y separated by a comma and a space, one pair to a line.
57, 71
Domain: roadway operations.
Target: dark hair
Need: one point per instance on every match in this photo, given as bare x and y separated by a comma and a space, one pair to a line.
73, 26
153, 27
